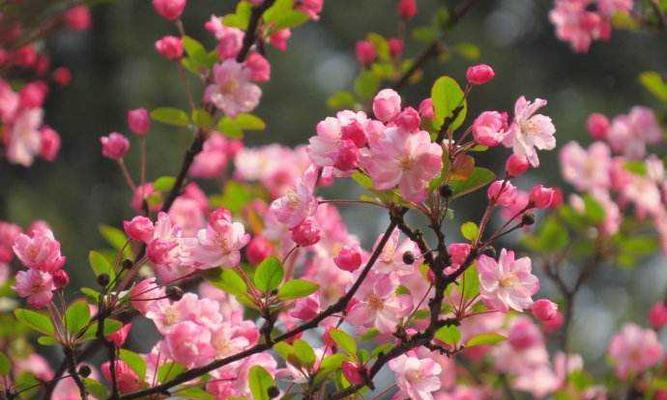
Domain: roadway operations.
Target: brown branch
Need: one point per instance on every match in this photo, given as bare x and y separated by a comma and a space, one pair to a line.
70, 356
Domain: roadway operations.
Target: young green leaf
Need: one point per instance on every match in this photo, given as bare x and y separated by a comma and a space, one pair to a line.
77, 316
5, 365
470, 230
269, 274
260, 381
448, 102
100, 265
344, 341
304, 352
134, 361
485, 339
296, 289
35, 320
171, 116
480, 177
164, 183
448, 334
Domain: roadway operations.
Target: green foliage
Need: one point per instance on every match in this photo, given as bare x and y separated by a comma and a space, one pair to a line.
169, 371
236, 196
35, 320
198, 59
282, 15
116, 238
229, 280
485, 339
448, 334
550, 237
236, 127
77, 316
171, 116
470, 282
297, 288
164, 183
260, 381
470, 230
96, 388
344, 341
5, 365
134, 361
241, 16
480, 177
366, 85
654, 83
340, 100
100, 265
269, 274
202, 118
448, 100
304, 353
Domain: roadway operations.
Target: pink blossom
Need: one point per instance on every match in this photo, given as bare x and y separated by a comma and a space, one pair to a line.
366, 53
544, 309
62, 76
516, 165
34, 364
407, 9
417, 378
60, 278
489, 129
35, 285
212, 160
139, 121
190, 345
280, 38
114, 146
232, 90
258, 249
307, 233
353, 373
409, 119
230, 40
634, 350
126, 379
260, 69
629, 133
386, 105
312, 8
170, 47
143, 193
307, 308
50, 144
458, 253
611, 7
143, 294
391, 259
9, 102
479, 74
33, 94
219, 244
541, 197
118, 338
577, 25
587, 170
378, 305
169, 9
597, 126
530, 131
349, 258
426, 109
396, 47
403, 159
23, 138
298, 203
40, 251
658, 315
139, 228
227, 341
502, 193
507, 283
78, 18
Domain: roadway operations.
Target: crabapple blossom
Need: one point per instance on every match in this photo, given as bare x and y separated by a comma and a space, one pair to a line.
378, 304
114, 146
258, 249
516, 165
35, 285
139, 121
62, 76
366, 53
170, 47
78, 18
544, 309
212, 160
386, 105
60, 278
409, 119
529, 131
396, 47
597, 126
634, 350
232, 90
260, 69
417, 378
39, 250
307, 233
658, 315
23, 138
298, 203
426, 109
349, 258
353, 373
479, 74
407, 9
144, 293
508, 282
541, 197
169, 9
50, 143
139, 228
126, 379
502, 193
489, 128
587, 170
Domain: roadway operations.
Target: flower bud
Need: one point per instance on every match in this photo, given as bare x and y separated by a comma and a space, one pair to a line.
502, 193
169, 9
407, 9
516, 165
554, 323
479, 74
103, 280
541, 197
306, 233
396, 47
260, 69
258, 249
658, 315
33, 94
139, 121
409, 119
352, 373
170, 47
349, 258
365, 52
426, 109
78, 18
114, 146
386, 105
62, 76
49, 144
544, 309
597, 126
60, 278
489, 128
139, 228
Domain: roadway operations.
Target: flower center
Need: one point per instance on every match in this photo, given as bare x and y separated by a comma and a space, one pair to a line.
375, 302
508, 281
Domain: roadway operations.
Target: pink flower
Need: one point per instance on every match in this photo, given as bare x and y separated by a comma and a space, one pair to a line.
212, 160
170, 47
312, 8
62, 76
50, 144
40, 251
37, 286
33, 94
506, 283
541, 197
298, 203
577, 25
307, 233
403, 159
544, 309
232, 90
634, 350
126, 379
352, 372
629, 134
280, 38
260, 69
458, 253
426, 109
587, 170
489, 128
349, 258
409, 119
219, 244
658, 315
386, 105
378, 305
258, 249
417, 378
144, 294
366, 53
114, 146
502, 193
396, 47
23, 138
169, 9
479, 74
227, 341
139, 121
230, 40
139, 228
78, 18
530, 131
597, 126
407, 9
189, 344
516, 165
118, 338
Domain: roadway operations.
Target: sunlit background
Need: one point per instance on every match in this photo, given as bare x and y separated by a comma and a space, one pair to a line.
116, 68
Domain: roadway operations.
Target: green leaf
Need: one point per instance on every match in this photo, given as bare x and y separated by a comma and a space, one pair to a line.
164, 183
283, 15
91, 294
5, 364
296, 289
329, 365
240, 18
169, 371
77, 316
116, 238
269, 274
202, 118
448, 99
655, 84
35, 320
469, 51
425, 34
381, 45
485, 339
552, 236
284, 350
110, 326
344, 341
236, 196
260, 381
100, 265
96, 388
470, 282
47, 341
230, 282
366, 85
171, 116
449, 334
637, 167
195, 393
235, 127
134, 361
362, 179
470, 230
594, 210
480, 177
340, 100
304, 352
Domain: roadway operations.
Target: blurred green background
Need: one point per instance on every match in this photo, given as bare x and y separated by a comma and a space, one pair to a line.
116, 68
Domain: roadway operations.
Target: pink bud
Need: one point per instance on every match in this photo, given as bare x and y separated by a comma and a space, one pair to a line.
426, 109
170, 47
544, 310
349, 258
407, 9
479, 74
258, 249
489, 128
260, 69
139, 121
365, 52
60, 278
114, 146
658, 315
280, 38
25, 56
597, 126
120, 336
42, 65
158, 250
458, 252
33, 94
352, 373
62, 76
169, 9
557, 199
306, 233
396, 47
355, 133
386, 105
554, 323
78, 18
541, 197
126, 379
409, 119
516, 165
348, 156
306, 309
50, 143
501, 193
139, 228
